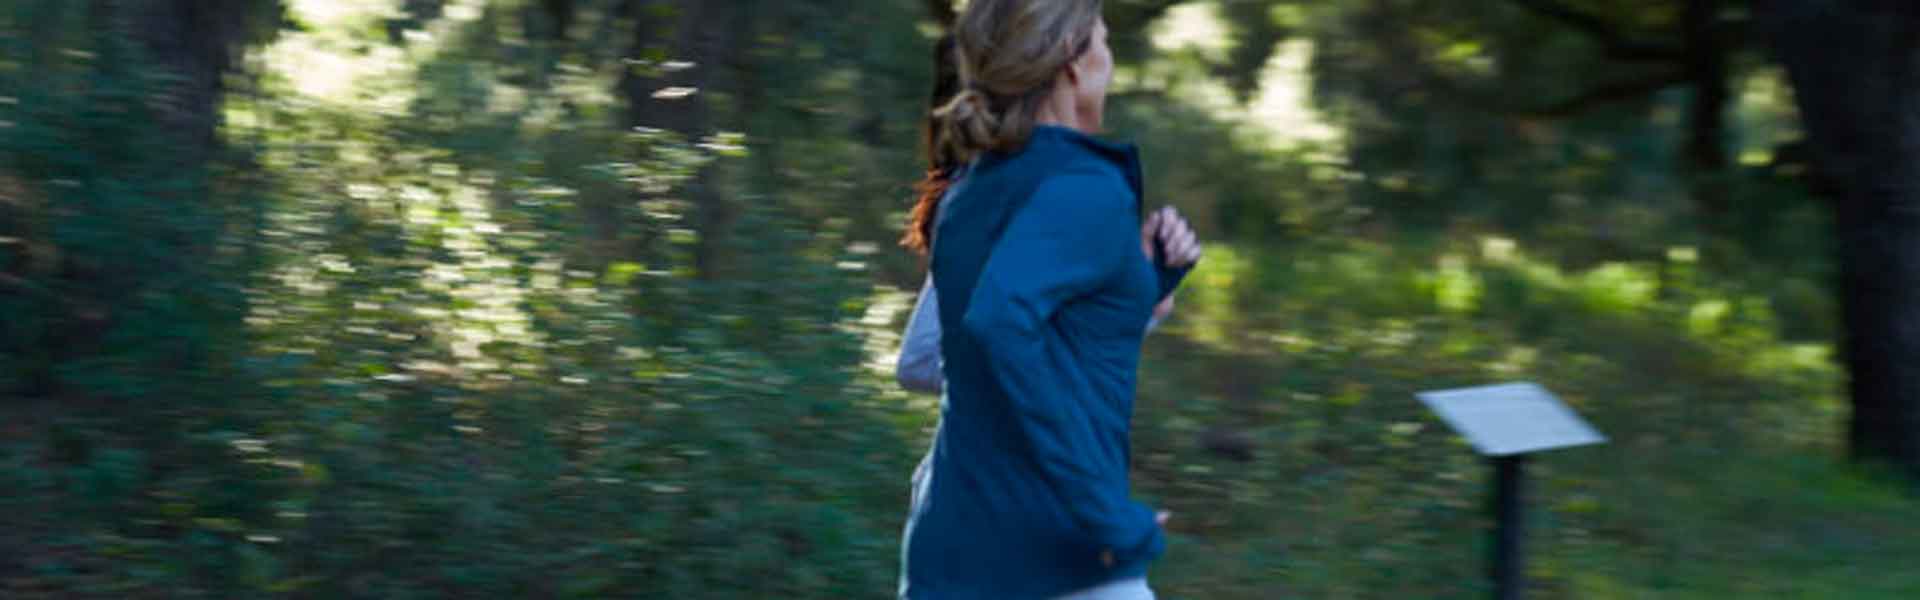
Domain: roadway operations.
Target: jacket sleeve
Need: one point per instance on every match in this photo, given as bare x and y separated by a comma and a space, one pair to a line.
1170, 278
918, 368
1074, 236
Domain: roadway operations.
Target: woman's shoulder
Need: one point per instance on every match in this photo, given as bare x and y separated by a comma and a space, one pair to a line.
1082, 192
1048, 168
1088, 180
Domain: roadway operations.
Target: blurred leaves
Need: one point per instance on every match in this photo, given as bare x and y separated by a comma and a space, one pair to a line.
465, 305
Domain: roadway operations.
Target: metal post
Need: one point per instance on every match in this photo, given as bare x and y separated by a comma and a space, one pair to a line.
1509, 571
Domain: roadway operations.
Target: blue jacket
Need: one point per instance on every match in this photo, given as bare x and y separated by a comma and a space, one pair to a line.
1045, 297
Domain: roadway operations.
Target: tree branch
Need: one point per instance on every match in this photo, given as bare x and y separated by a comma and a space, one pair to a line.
1612, 42
1618, 91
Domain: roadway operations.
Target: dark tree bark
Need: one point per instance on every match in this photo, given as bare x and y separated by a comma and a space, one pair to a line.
1609, 93
195, 41
561, 14
711, 38
178, 54
1615, 43
1700, 60
1855, 70
1706, 67
942, 13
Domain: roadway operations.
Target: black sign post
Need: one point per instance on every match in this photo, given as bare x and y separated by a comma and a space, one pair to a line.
1506, 423
1510, 532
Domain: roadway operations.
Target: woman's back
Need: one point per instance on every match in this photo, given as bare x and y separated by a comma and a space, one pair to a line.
1045, 297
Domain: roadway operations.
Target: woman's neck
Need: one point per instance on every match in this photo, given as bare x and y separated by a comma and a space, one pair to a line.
1058, 110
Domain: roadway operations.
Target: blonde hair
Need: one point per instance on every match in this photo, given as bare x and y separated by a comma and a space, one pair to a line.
1010, 53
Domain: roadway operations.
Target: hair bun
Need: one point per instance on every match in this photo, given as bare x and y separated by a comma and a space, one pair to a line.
970, 123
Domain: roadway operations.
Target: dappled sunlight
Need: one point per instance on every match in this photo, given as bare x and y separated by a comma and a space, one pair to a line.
327, 63
1455, 287
1764, 109
1279, 116
1210, 293
338, 14
1192, 26
597, 298
1297, 298
444, 214
1283, 107
1318, 353
333, 61
885, 312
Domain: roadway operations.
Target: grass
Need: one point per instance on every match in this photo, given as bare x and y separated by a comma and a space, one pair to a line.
1721, 478
1276, 420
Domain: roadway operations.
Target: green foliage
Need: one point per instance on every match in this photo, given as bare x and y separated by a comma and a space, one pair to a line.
443, 390
436, 322
1311, 354
109, 252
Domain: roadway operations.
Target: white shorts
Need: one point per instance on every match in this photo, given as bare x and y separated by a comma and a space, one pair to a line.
1125, 589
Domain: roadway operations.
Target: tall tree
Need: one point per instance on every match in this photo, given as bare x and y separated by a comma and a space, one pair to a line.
705, 46
1855, 69
196, 42
120, 227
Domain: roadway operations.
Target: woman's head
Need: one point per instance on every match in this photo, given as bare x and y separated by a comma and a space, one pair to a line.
1025, 62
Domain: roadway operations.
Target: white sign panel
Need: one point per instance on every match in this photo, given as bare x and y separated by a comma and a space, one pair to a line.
1514, 418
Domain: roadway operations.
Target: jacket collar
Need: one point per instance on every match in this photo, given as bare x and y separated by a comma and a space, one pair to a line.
1054, 138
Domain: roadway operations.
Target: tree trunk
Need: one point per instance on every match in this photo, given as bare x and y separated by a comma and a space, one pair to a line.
1855, 69
1706, 67
194, 41
942, 13
175, 53
712, 37
560, 13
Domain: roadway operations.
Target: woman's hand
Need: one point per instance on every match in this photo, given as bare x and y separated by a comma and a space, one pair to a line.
1176, 236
